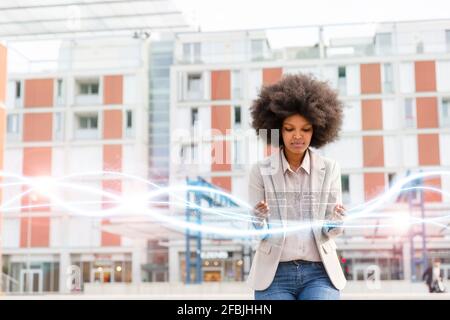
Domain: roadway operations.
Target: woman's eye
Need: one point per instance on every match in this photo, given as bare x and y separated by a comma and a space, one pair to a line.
288, 129
306, 130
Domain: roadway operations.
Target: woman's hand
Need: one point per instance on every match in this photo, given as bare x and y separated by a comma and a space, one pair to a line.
338, 216
261, 210
339, 212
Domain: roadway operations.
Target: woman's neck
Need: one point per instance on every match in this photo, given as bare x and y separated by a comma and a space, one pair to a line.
295, 160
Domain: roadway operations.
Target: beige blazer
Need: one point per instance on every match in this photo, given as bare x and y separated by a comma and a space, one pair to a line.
267, 183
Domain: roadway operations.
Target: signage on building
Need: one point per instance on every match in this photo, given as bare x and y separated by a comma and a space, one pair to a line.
214, 255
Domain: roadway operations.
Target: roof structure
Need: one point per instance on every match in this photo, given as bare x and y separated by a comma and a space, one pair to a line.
31, 19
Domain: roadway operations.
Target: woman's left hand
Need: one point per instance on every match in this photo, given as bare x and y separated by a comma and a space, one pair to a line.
338, 213
337, 218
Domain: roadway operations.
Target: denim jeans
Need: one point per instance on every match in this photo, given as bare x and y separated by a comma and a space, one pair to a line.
296, 280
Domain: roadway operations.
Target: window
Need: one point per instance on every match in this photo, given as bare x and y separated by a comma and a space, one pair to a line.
388, 78
237, 161
18, 89
410, 120
419, 47
192, 52
59, 91
58, 127
345, 181
447, 39
88, 87
342, 80
383, 43
86, 126
87, 121
445, 112
12, 123
236, 83
194, 86
194, 116
188, 153
391, 178
87, 91
59, 88
237, 115
257, 49
129, 123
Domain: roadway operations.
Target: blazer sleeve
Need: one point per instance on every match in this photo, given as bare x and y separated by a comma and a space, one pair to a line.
256, 193
334, 198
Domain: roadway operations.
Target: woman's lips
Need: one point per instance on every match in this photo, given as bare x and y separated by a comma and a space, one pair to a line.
298, 144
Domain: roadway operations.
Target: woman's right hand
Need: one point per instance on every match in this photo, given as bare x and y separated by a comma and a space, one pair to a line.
261, 210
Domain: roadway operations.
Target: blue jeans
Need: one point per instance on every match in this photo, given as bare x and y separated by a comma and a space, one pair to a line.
296, 280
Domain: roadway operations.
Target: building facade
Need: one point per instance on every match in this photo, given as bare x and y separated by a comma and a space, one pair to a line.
395, 87
79, 119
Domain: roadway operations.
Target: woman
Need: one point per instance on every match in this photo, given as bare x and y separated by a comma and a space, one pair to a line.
296, 187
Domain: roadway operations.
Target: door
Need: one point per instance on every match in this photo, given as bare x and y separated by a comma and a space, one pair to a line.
31, 281
101, 275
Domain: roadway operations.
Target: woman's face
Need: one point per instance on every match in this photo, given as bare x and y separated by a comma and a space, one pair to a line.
297, 133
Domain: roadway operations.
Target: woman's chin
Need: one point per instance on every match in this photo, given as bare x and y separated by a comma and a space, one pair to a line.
297, 150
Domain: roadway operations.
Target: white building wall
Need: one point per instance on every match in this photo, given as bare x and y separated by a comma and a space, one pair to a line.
445, 185
85, 159
239, 187
444, 143
255, 83
352, 116
353, 80
57, 232
343, 151
391, 115
356, 184
330, 73
10, 232
442, 76
392, 153
84, 232
13, 164
407, 76
410, 151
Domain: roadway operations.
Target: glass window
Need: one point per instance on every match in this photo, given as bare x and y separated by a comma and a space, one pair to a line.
345, 183
59, 87
445, 112
13, 123
447, 39
237, 115
345, 180
391, 178
236, 83
194, 82
409, 113
257, 49
342, 80
194, 86
194, 116
388, 78
18, 89
58, 116
87, 121
86, 87
129, 119
192, 52
342, 72
384, 43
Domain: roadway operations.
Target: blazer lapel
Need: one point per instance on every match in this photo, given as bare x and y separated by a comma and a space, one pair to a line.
317, 179
277, 177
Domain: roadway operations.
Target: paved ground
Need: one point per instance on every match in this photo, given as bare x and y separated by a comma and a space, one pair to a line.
348, 296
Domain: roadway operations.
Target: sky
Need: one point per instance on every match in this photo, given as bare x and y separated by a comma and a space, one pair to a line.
214, 15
